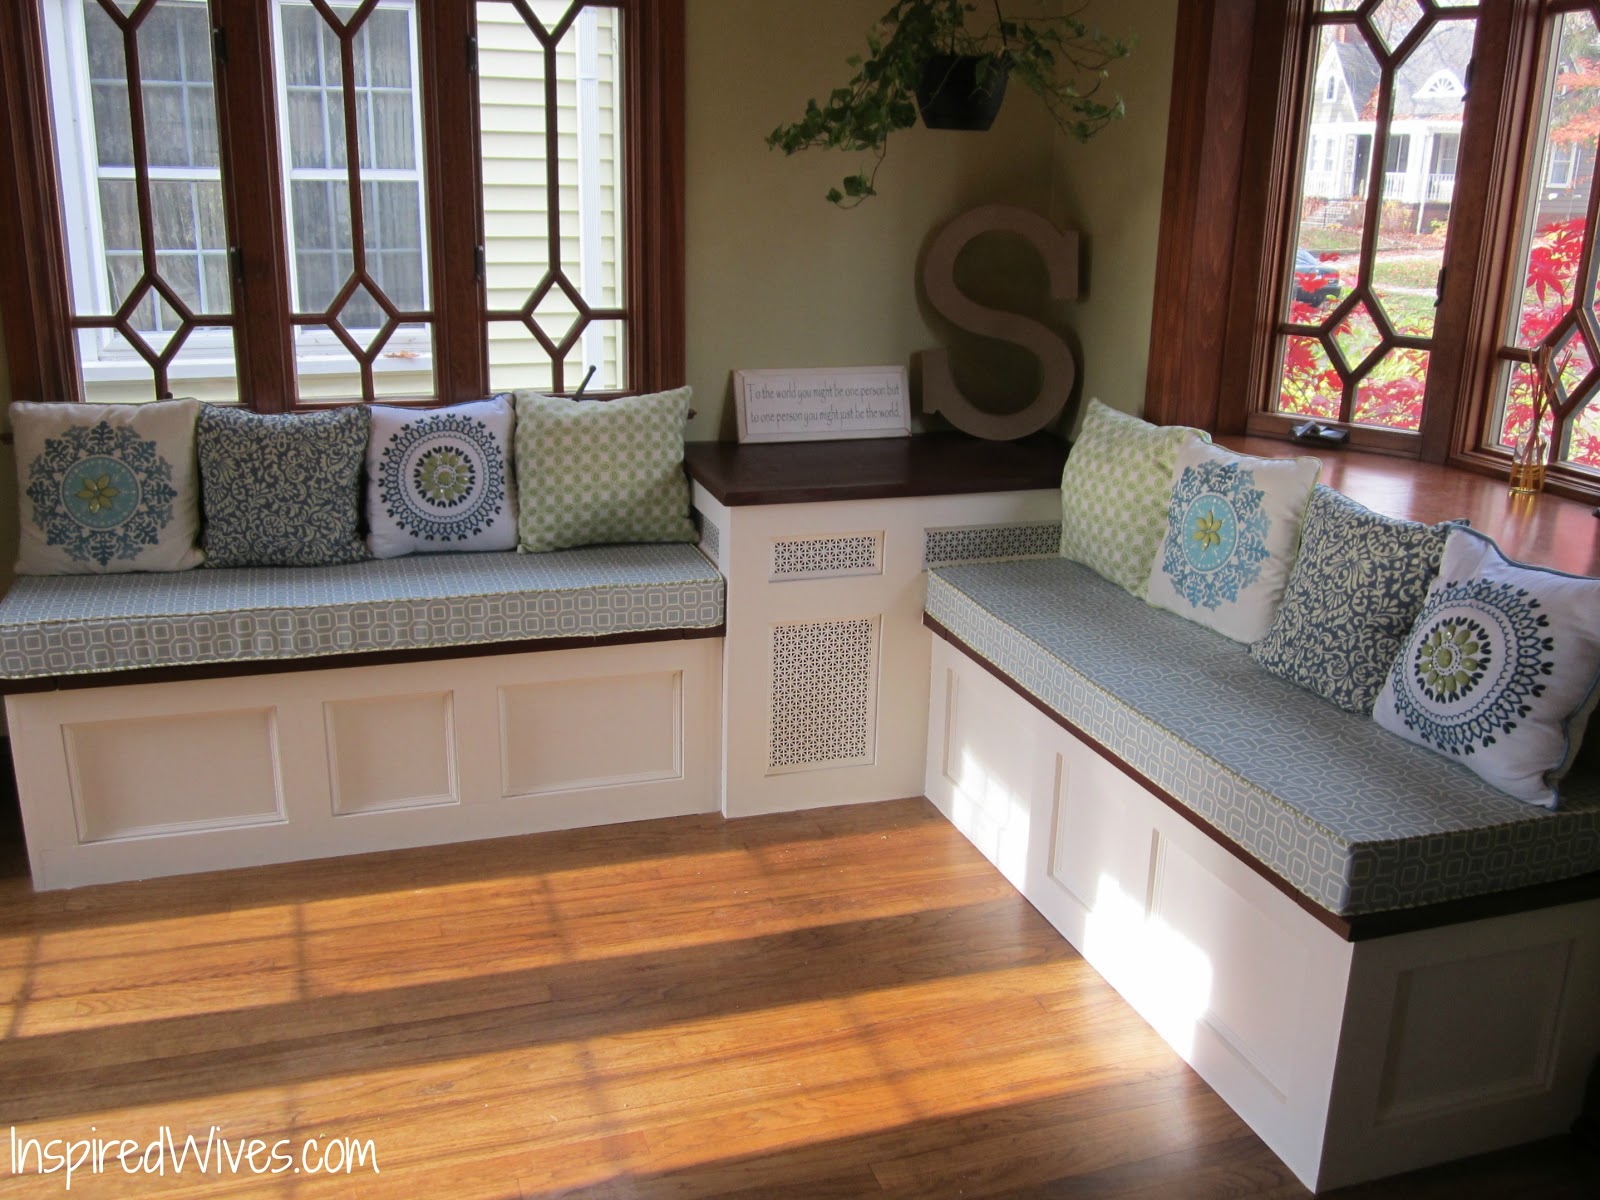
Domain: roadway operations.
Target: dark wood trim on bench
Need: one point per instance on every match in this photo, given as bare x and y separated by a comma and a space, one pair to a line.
929, 464
326, 662
1352, 929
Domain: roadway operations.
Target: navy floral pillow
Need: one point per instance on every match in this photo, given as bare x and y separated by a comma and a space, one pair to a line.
281, 490
1354, 594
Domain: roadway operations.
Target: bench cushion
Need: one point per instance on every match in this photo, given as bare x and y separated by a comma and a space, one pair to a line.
67, 625
1354, 818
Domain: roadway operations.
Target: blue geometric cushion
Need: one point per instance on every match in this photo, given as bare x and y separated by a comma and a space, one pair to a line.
440, 479
1355, 592
1233, 526
81, 624
1501, 669
281, 490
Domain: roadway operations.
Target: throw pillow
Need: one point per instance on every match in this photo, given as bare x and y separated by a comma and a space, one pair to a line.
106, 487
1501, 669
1233, 527
282, 489
440, 479
1114, 493
594, 471
1352, 598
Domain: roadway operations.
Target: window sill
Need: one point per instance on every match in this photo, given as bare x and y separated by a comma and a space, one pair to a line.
1545, 530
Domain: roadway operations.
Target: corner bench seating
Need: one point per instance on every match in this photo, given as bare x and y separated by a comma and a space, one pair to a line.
164, 724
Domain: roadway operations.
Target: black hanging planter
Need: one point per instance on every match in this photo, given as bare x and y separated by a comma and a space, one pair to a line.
952, 95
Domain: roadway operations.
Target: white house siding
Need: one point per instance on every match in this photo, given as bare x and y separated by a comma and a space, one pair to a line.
516, 200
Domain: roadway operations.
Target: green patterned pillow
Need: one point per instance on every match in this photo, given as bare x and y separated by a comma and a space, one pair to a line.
1115, 491
594, 471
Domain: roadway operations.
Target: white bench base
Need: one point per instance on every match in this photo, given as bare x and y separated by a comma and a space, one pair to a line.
1351, 1060
126, 782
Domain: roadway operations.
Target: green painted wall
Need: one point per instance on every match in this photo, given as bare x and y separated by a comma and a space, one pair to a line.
1110, 189
777, 277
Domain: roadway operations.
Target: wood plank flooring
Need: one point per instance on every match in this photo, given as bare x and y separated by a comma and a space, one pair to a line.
843, 1003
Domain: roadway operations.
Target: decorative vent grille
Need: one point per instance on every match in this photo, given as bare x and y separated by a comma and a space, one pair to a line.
824, 694
710, 539
827, 557
987, 543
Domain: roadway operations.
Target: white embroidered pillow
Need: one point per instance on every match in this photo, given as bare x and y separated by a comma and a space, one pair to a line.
1233, 528
107, 487
440, 479
1501, 669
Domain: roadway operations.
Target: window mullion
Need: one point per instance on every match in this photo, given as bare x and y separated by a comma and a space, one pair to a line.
450, 145
34, 304
1489, 174
248, 130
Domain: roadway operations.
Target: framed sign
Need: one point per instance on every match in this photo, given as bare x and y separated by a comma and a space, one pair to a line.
822, 404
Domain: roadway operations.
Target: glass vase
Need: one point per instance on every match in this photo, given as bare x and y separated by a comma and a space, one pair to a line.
1528, 465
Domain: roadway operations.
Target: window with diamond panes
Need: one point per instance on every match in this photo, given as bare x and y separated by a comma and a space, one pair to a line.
549, 88
1553, 320
348, 76
151, 293
1356, 312
294, 203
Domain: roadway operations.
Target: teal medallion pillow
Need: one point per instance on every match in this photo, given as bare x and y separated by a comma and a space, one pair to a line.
106, 487
1501, 669
282, 489
440, 479
1233, 526
1114, 493
1356, 589
596, 471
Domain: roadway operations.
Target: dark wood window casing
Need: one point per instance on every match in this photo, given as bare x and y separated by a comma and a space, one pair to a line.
1237, 96
35, 305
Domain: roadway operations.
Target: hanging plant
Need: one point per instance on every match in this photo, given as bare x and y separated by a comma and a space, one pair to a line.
928, 56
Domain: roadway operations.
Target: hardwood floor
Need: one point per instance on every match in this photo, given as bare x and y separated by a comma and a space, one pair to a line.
842, 1003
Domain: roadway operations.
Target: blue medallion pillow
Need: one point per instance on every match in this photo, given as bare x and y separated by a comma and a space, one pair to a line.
1233, 526
106, 487
1501, 669
440, 479
281, 489
1356, 589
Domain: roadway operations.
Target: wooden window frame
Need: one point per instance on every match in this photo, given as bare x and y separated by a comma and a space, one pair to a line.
1237, 96
35, 303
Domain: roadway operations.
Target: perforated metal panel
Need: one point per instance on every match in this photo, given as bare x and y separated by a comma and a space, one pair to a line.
710, 539
824, 694
988, 543
827, 556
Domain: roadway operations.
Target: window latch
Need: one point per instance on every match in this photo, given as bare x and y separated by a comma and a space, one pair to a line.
479, 263
1438, 288
236, 263
219, 44
472, 53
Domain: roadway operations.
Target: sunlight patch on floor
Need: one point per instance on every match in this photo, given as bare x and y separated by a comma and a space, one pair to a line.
1166, 977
